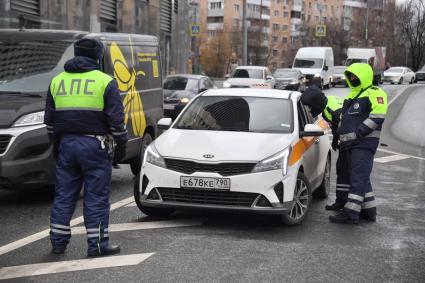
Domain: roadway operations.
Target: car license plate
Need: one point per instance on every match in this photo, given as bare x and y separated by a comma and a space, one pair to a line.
205, 183
169, 106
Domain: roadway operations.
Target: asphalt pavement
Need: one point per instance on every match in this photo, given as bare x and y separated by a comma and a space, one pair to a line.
226, 247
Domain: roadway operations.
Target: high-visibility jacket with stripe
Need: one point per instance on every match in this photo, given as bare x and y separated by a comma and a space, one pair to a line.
84, 100
363, 112
332, 112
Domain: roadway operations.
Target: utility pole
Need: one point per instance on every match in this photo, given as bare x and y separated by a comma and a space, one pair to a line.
367, 22
244, 35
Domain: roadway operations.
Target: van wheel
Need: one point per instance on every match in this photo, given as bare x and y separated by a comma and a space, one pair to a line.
323, 190
136, 163
302, 201
155, 212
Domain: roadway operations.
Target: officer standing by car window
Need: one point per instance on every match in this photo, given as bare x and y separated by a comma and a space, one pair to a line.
83, 110
331, 107
362, 117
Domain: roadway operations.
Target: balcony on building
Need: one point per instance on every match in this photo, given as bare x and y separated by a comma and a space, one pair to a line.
355, 3
215, 12
215, 26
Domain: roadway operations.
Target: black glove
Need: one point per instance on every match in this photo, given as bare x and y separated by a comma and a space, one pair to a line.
335, 143
119, 153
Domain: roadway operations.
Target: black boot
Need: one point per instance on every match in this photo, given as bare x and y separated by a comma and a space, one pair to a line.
58, 250
335, 206
110, 250
342, 218
366, 217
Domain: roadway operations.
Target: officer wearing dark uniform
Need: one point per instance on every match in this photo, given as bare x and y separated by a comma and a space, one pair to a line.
83, 108
331, 107
362, 116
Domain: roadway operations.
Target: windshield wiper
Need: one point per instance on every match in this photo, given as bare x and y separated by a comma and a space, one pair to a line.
20, 93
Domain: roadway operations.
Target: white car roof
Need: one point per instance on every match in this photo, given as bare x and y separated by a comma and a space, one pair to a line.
252, 92
252, 67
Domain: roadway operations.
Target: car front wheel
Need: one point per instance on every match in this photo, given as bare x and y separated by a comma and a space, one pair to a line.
301, 202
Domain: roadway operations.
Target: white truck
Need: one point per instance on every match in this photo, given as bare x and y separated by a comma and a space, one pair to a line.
315, 63
375, 57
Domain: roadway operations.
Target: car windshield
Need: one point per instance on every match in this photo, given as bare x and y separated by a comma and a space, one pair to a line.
352, 61
308, 63
394, 70
242, 114
180, 83
248, 73
30, 65
339, 70
285, 74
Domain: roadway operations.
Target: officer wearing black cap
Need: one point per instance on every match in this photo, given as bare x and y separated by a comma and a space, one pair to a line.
330, 107
83, 113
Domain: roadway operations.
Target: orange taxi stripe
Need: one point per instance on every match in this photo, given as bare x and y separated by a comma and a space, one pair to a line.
302, 145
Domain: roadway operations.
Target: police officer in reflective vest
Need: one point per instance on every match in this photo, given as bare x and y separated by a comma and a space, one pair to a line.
83, 110
331, 107
362, 116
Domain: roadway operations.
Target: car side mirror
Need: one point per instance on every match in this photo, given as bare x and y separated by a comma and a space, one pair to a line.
311, 130
227, 76
326, 68
164, 123
269, 78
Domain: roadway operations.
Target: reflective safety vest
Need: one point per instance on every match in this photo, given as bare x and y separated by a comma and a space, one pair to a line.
79, 91
333, 109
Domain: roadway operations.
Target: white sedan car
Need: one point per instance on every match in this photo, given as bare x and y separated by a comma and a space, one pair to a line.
399, 75
238, 149
247, 76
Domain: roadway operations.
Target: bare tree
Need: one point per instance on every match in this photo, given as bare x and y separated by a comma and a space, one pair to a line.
410, 22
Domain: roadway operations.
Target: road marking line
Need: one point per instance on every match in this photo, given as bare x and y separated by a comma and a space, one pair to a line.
390, 158
132, 204
397, 95
144, 225
402, 154
71, 265
42, 234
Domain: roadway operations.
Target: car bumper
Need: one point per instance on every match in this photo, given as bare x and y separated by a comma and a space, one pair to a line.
27, 160
338, 81
245, 193
390, 80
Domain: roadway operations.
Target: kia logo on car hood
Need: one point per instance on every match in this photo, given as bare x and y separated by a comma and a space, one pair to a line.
208, 156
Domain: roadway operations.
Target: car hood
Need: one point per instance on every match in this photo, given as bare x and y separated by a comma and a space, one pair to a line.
286, 79
224, 146
244, 81
309, 71
392, 74
14, 106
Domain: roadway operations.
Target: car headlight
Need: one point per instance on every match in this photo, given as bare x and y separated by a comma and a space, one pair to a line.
184, 100
225, 84
274, 162
293, 82
317, 75
36, 118
153, 157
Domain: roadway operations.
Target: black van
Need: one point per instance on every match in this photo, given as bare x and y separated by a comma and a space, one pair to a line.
29, 59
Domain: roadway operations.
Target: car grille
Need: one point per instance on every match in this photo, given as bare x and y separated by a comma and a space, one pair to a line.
224, 169
171, 101
309, 77
4, 142
239, 86
197, 196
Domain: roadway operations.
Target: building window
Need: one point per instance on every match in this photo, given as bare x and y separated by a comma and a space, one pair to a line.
237, 7
216, 5
266, 11
285, 14
276, 13
274, 39
211, 20
236, 23
284, 40
317, 18
274, 52
284, 27
212, 33
275, 27
296, 14
308, 18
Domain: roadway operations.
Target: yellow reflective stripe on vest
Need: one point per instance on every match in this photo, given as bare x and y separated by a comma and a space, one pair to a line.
79, 91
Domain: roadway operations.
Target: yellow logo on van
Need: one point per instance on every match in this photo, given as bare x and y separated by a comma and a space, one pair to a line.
126, 79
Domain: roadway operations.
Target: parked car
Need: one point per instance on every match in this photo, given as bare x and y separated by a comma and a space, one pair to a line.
399, 75
246, 76
289, 79
180, 89
420, 74
338, 77
33, 58
255, 150
315, 63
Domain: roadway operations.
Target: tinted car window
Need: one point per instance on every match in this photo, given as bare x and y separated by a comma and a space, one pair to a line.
180, 83
308, 63
286, 74
395, 70
242, 114
248, 73
29, 66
